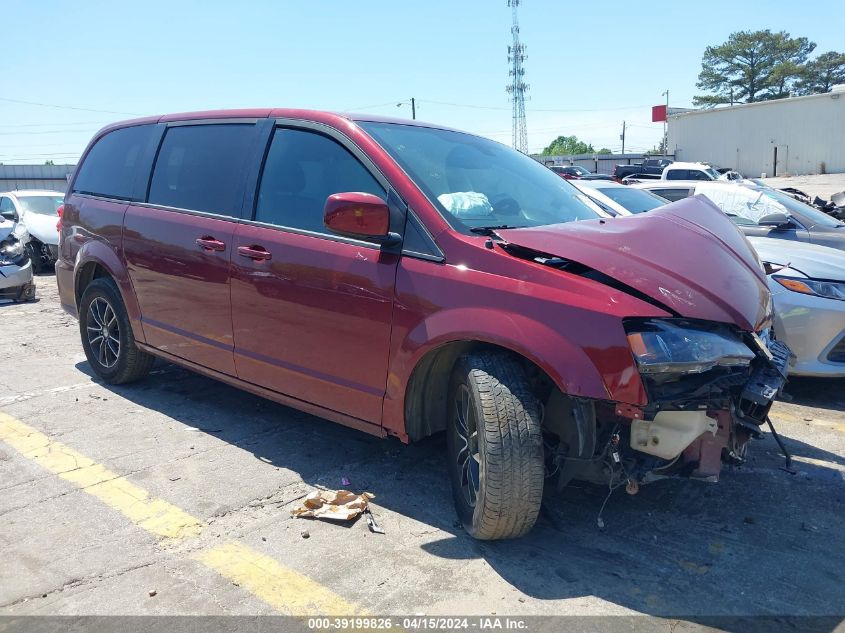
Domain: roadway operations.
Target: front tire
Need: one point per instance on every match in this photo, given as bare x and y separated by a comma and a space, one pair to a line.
107, 335
34, 254
495, 446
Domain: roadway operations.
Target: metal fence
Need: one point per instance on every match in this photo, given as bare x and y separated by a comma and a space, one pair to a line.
50, 177
597, 163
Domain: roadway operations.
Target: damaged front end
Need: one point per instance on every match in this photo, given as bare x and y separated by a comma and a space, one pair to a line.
708, 367
710, 387
16, 280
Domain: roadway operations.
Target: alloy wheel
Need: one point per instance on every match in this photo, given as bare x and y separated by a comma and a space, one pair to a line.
466, 442
103, 332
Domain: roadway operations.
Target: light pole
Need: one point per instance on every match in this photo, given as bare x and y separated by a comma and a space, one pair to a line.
413, 105
666, 125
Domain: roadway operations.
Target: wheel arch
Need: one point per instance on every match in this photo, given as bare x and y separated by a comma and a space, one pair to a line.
546, 354
96, 260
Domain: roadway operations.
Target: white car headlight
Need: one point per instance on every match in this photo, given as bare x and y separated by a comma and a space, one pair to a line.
818, 287
11, 248
663, 346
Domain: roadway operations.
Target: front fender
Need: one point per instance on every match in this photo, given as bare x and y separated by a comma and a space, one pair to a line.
566, 364
96, 252
577, 368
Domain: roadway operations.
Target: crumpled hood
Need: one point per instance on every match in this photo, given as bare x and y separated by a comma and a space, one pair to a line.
818, 262
687, 256
42, 227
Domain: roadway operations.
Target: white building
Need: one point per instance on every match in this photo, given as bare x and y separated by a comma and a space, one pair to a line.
798, 135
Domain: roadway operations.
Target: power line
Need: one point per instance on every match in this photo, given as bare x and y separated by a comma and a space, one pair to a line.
83, 131
368, 107
23, 156
65, 107
482, 107
53, 124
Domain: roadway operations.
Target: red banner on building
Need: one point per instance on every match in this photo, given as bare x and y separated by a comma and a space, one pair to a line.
658, 113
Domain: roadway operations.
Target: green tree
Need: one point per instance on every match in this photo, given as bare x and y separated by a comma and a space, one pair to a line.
752, 66
567, 146
658, 150
822, 73
49, 162
604, 150
792, 54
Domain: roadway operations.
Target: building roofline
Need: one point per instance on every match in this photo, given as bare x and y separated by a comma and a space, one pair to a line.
728, 108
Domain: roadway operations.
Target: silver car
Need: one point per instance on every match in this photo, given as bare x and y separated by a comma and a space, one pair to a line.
808, 288
16, 282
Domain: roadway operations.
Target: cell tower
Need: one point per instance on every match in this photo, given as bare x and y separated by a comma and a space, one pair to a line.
517, 87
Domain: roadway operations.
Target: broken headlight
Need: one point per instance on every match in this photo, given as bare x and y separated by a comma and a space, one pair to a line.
663, 346
11, 248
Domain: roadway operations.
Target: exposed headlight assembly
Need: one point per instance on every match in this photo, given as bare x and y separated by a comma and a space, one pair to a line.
663, 346
11, 248
818, 287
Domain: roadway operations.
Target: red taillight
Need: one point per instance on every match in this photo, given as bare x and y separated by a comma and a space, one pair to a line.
60, 211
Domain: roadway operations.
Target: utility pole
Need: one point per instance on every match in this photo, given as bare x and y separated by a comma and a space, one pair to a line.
623, 137
517, 87
666, 126
413, 104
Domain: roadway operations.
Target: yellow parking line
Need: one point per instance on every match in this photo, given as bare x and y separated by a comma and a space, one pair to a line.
281, 587
154, 515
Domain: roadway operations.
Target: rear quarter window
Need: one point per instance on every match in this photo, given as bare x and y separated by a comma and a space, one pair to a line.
112, 167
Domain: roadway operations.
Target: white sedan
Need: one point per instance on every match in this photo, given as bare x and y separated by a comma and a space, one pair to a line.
36, 211
808, 287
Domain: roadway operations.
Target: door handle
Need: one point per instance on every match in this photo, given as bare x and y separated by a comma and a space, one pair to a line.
258, 253
209, 243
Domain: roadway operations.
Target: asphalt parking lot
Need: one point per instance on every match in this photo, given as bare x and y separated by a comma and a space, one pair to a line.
173, 496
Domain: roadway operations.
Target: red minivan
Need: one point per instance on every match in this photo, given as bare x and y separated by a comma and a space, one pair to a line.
406, 279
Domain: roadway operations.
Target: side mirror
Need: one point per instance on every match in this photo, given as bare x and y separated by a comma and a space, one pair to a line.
11, 214
360, 215
776, 220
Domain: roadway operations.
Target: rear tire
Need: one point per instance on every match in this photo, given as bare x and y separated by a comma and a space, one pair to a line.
495, 446
107, 335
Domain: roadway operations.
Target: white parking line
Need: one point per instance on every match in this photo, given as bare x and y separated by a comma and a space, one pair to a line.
29, 395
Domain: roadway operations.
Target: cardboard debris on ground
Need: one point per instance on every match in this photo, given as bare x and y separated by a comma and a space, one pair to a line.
339, 505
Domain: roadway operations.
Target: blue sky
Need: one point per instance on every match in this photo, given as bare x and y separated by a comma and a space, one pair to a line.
590, 65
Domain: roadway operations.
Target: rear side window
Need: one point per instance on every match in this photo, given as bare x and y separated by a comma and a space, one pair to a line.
111, 168
672, 195
677, 174
201, 168
301, 171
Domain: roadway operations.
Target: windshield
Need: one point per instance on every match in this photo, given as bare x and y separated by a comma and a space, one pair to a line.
805, 213
633, 200
475, 182
712, 173
578, 170
42, 205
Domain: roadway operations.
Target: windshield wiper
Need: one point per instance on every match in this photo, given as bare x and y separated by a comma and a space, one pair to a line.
491, 230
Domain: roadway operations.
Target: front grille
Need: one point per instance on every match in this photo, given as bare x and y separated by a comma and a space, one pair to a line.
837, 354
